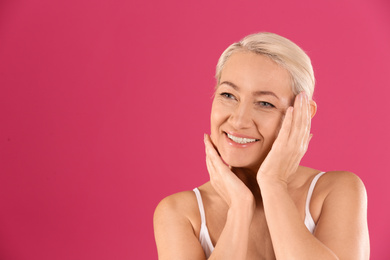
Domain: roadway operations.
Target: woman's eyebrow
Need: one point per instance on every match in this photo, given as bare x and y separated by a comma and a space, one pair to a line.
256, 93
267, 93
231, 85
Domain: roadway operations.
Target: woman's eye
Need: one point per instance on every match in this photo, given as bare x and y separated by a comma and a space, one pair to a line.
227, 95
265, 104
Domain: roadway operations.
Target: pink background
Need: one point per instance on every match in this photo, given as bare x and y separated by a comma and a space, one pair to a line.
103, 106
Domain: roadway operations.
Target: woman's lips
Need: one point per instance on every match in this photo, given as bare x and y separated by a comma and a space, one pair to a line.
239, 140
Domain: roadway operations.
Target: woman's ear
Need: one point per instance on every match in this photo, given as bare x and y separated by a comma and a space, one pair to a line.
313, 108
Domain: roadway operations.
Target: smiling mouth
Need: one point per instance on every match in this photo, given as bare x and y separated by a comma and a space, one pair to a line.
241, 140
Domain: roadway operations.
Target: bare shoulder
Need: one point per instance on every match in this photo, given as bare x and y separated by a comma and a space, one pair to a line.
342, 223
341, 182
179, 205
343, 191
176, 200
176, 227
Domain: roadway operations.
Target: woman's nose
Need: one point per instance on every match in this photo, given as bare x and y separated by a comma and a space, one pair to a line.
241, 116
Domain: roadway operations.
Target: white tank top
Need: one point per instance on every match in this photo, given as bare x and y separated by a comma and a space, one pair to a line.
204, 236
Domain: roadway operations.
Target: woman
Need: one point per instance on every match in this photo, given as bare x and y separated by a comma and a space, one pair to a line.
260, 203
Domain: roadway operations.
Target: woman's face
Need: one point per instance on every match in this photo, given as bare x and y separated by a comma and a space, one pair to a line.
248, 108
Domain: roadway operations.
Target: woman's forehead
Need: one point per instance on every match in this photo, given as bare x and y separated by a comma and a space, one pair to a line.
254, 72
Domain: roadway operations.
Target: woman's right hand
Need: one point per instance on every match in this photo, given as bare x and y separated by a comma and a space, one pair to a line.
224, 181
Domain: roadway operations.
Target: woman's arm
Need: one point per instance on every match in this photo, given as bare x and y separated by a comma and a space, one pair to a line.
233, 242
342, 231
174, 232
344, 213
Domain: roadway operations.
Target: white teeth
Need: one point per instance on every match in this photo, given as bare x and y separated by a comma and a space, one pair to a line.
241, 140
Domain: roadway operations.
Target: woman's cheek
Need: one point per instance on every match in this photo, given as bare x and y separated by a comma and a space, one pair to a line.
269, 124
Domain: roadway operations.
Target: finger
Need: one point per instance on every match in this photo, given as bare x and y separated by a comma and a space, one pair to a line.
213, 173
285, 129
212, 153
308, 112
297, 117
212, 143
210, 149
210, 168
301, 121
306, 145
306, 120
307, 117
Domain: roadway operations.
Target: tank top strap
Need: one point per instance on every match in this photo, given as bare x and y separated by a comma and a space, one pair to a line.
200, 205
204, 236
309, 222
311, 189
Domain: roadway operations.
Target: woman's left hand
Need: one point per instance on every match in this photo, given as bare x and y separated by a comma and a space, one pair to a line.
290, 145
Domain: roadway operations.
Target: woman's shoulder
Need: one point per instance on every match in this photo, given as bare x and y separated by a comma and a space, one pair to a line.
331, 180
179, 202
177, 225
340, 180
337, 187
180, 206
334, 192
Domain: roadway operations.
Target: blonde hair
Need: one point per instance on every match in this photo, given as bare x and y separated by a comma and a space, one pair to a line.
283, 52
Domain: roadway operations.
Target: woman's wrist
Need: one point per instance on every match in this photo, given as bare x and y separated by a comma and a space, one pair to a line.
245, 206
242, 213
271, 182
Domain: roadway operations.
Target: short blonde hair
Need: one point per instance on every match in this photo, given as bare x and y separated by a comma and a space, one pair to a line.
283, 52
